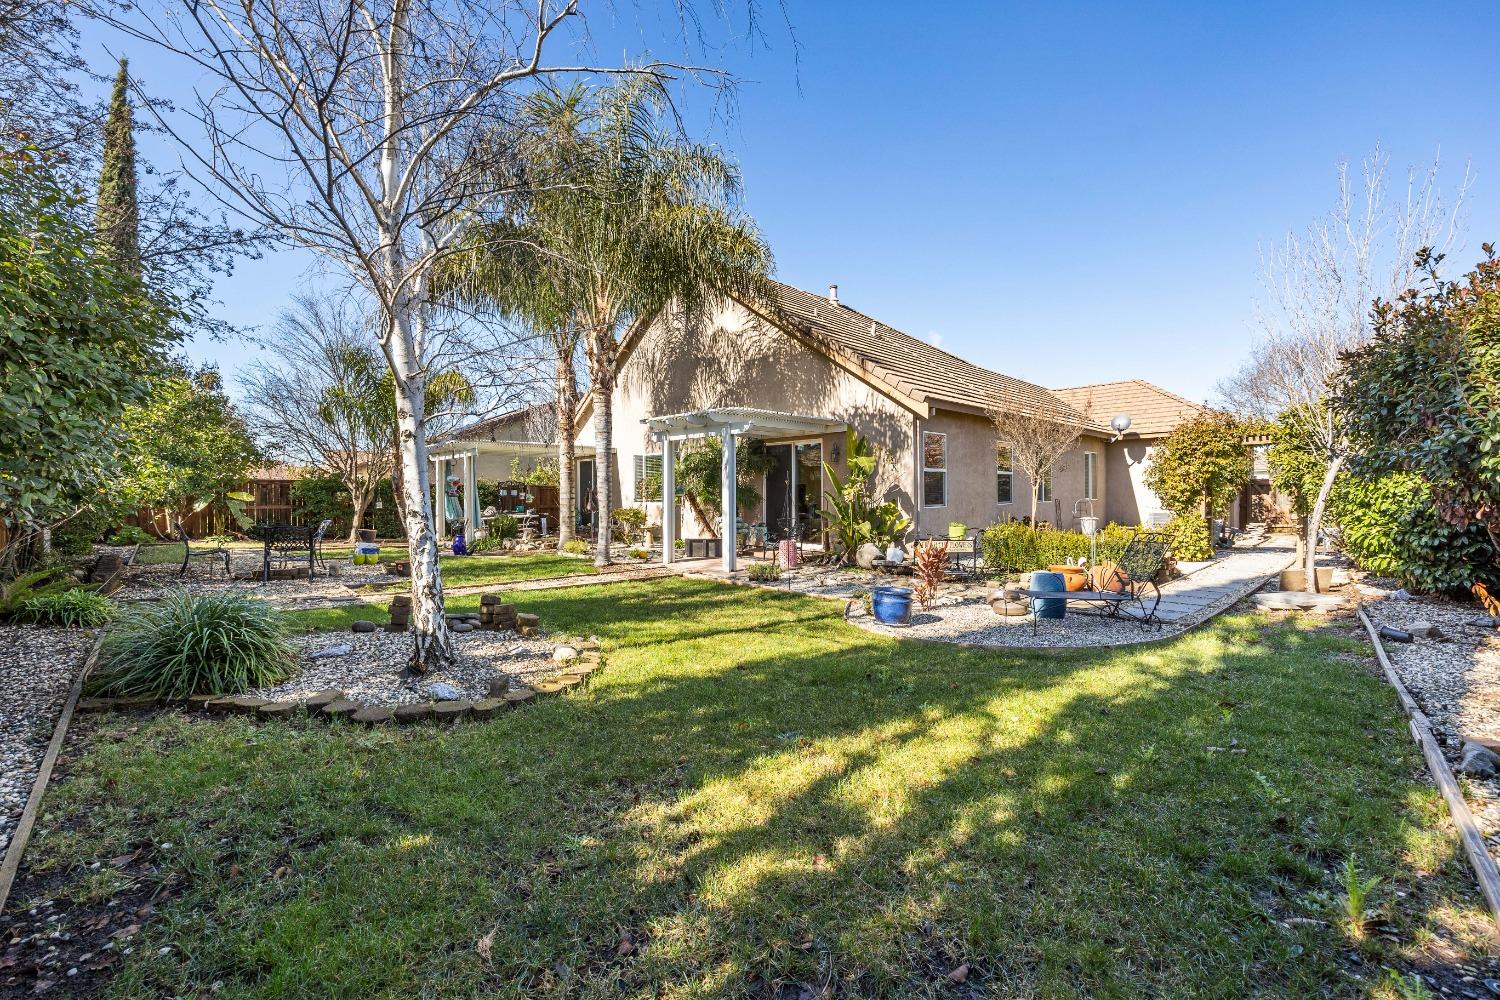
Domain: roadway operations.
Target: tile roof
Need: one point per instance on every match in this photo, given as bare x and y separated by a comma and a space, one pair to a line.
1153, 411
910, 366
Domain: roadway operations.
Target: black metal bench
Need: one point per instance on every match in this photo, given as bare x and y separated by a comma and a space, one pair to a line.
288, 543
1137, 596
217, 554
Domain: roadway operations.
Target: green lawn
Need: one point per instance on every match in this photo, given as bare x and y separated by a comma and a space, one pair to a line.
756, 795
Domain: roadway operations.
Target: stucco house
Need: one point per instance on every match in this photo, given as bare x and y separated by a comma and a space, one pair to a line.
797, 374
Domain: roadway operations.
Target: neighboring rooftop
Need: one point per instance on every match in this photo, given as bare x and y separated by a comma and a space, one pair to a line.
1153, 411
529, 423
907, 364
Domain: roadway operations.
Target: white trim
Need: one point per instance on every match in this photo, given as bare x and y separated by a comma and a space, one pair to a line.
928, 468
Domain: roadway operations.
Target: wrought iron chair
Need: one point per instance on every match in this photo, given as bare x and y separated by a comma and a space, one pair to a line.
217, 554
1132, 593
288, 543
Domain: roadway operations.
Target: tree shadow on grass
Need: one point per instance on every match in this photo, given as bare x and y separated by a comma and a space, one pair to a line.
755, 798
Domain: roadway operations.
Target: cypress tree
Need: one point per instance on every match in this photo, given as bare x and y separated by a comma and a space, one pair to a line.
117, 218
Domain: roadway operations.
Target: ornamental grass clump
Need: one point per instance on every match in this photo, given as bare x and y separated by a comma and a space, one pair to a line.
197, 644
73, 608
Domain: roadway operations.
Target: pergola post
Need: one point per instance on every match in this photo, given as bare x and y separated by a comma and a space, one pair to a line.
440, 504
467, 472
728, 489
668, 501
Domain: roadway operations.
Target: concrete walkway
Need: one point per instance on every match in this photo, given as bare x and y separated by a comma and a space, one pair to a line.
1233, 575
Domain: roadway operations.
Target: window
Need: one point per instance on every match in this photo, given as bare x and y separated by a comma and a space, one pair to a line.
934, 469
1044, 487
647, 467
1005, 475
1088, 476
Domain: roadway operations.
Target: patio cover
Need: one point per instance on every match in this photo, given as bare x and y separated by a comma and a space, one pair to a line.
727, 423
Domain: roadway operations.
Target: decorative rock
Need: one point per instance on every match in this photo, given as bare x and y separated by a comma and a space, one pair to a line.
528, 619
341, 709
363, 626
499, 686
1423, 630
342, 649
490, 707
445, 692
1479, 761
407, 714
562, 654
447, 712
866, 555
461, 628
373, 716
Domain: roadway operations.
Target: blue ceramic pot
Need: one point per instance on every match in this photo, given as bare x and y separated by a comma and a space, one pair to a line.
892, 605
1049, 608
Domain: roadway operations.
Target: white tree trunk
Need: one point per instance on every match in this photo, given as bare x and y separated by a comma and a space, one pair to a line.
431, 644
603, 467
567, 408
1315, 524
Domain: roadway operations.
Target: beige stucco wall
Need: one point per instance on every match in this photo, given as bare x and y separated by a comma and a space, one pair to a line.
1131, 500
734, 359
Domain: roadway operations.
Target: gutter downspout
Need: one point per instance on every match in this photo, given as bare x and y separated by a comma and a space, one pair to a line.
916, 475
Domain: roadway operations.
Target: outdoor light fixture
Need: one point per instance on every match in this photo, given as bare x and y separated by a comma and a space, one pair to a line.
834, 453
1119, 423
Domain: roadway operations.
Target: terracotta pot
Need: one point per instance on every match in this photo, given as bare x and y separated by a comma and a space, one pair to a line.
1107, 577
1074, 577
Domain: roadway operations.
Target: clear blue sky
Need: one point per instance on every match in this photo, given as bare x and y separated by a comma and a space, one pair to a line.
1066, 195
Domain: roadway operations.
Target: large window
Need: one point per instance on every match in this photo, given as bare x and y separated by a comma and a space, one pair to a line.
1088, 476
647, 466
1005, 475
1044, 487
934, 469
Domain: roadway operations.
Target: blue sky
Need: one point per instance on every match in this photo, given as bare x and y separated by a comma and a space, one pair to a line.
1067, 194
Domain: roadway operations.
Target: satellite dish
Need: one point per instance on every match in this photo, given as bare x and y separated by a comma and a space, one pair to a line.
1119, 423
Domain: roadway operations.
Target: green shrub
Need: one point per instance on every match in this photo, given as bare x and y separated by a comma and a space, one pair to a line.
1388, 526
577, 546
129, 534
1019, 548
28, 586
639, 554
1187, 538
77, 607
763, 572
196, 644
503, 526
631, 521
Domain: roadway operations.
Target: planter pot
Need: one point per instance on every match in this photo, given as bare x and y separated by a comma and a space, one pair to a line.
892, 605
366, 534
1296, 579
1074, 577
1049, 608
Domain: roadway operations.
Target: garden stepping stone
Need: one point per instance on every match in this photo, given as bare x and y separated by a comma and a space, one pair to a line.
551, 685
318, 699
407, 714
519, 696
341, 709
246, 705
490, 707
277, 709
447, 712
373, 716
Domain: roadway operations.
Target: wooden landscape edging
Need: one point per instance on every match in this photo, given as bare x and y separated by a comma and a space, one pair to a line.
1421, 730
22, 833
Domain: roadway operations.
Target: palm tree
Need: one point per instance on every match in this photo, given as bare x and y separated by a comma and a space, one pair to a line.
624, 219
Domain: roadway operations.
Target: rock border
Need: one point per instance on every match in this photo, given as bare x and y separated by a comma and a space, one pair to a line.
332, 704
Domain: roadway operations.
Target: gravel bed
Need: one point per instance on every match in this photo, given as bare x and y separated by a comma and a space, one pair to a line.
37, 668
972, 622
369, 672
148, 583
1455, 678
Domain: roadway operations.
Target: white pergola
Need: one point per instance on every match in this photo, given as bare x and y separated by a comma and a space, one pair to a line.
727, 423
465, 456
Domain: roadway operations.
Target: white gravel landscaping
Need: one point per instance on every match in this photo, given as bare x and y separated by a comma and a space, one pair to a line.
37, 667
1455, 678
974, 623
369, 672
149, 583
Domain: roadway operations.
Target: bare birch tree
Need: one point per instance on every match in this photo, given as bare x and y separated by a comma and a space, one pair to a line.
354, 128
1037, 436
1320, 286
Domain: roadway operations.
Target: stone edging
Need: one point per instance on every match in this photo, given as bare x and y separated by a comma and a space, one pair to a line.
333, 704
22, 833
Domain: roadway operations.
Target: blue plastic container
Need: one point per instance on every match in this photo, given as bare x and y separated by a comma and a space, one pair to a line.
1048, 608
892, 605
